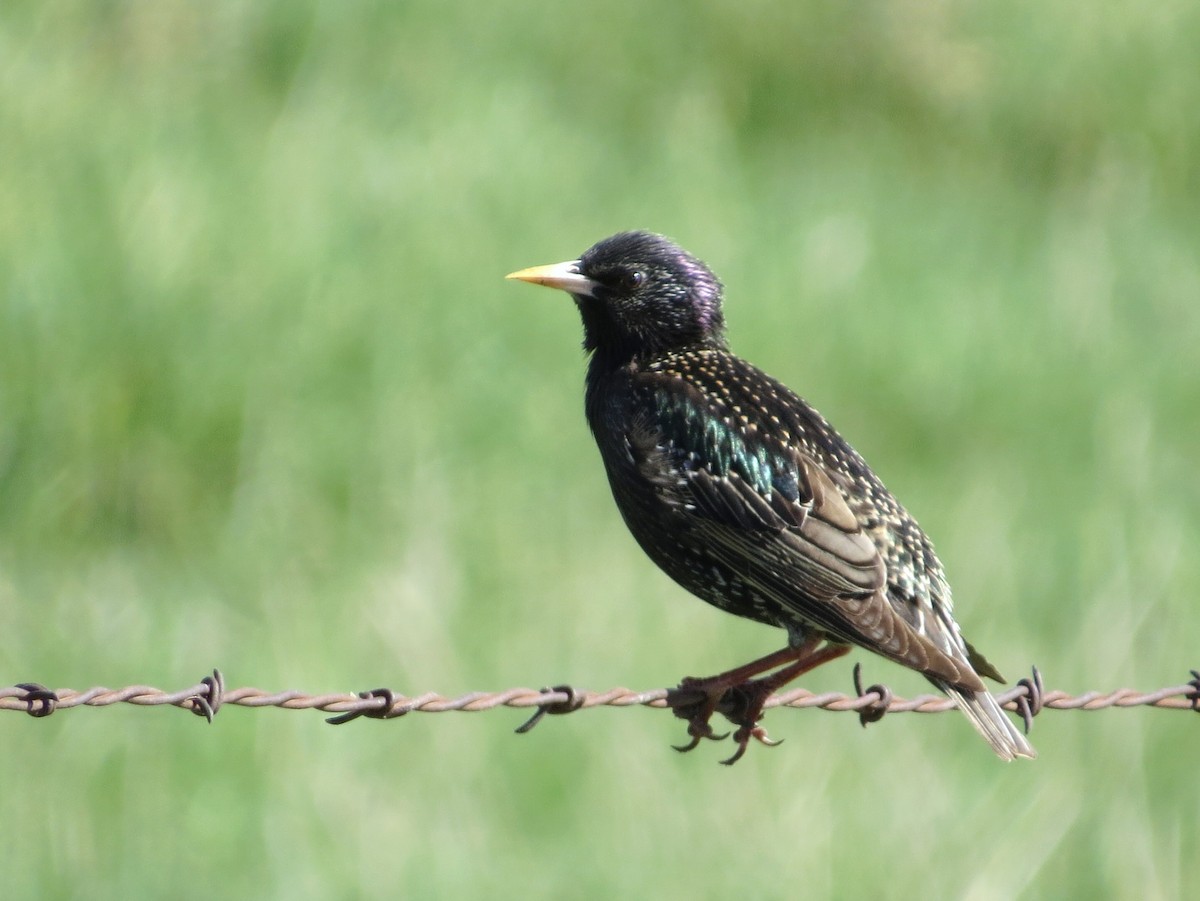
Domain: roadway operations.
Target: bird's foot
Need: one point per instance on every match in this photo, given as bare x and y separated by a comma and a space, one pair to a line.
696, 700
740, 698
743, 706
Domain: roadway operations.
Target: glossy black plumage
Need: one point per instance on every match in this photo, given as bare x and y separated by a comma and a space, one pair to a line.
742, 492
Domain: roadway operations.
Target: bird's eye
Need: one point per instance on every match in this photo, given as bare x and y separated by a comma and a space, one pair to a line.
632, 279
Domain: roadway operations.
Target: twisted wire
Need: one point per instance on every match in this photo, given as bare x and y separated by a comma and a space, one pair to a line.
206, 697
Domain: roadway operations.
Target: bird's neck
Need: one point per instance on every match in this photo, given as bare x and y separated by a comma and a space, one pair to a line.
614, 344
611, 372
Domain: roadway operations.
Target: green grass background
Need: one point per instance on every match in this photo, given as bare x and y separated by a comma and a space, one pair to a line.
266, 403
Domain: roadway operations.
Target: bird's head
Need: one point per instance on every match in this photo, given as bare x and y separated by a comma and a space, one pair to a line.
639, 295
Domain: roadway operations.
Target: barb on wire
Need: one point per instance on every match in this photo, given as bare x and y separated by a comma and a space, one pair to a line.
881, 699
1030, 704
40, 700
378, 712
1027, 698
570, 705
207, 702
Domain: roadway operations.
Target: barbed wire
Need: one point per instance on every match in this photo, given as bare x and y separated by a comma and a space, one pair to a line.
1028, 697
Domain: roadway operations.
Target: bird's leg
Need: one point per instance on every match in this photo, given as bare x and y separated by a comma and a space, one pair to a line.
739, 696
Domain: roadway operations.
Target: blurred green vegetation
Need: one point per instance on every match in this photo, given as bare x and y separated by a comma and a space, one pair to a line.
267, 403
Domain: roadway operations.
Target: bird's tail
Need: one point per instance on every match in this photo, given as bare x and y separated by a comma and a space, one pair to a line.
990, 721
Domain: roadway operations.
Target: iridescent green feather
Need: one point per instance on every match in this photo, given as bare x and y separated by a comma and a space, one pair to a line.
720, 447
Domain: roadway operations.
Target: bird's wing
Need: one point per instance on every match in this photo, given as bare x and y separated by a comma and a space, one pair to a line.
802, 525
770, 512
745, 488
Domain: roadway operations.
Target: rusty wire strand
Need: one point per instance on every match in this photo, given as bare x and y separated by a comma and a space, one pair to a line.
206, 697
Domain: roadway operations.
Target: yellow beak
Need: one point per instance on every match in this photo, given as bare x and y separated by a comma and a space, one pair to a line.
564, 276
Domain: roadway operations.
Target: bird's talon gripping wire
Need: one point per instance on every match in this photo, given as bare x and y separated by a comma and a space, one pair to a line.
690, 701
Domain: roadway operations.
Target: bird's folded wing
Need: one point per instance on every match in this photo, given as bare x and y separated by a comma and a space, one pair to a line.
832, 582
764, 504
815, 539
772, 514
829, 575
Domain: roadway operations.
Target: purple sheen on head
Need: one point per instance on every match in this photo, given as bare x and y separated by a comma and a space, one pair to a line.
675, 302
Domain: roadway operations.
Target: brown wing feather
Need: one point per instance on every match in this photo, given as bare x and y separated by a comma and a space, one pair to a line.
817, 561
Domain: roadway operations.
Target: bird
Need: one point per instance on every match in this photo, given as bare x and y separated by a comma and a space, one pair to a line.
748, 498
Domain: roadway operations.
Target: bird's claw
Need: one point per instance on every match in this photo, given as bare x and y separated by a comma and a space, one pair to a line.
737, 755
691, 701
699, 729
690, 746
743, 736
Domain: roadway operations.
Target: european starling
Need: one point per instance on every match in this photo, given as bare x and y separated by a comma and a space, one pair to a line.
744, 495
